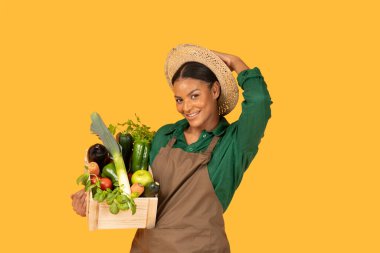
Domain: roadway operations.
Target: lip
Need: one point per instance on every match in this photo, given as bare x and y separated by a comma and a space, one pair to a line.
191, 116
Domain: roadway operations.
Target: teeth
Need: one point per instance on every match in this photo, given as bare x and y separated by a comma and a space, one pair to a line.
191, 115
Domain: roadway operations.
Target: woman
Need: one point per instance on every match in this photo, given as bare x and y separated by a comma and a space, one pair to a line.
199, 161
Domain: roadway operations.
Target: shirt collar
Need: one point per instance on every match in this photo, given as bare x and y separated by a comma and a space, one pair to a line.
182, 124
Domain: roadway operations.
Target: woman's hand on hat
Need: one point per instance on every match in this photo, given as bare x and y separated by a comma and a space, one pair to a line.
233, 62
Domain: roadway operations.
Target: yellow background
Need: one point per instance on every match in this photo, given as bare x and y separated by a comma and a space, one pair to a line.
314, 185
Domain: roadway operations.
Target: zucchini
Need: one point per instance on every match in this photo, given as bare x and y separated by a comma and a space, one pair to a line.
151, 189
126, 143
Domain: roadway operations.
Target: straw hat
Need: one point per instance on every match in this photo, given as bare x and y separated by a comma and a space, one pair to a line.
188, 52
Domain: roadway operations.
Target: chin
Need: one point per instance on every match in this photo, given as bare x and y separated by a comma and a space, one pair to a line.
196, 123
193, 125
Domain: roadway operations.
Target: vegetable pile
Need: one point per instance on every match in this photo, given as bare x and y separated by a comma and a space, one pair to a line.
117, 171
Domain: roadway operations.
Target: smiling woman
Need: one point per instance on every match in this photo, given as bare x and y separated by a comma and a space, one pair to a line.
200, 160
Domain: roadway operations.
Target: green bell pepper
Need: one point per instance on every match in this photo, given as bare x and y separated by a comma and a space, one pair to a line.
109, 171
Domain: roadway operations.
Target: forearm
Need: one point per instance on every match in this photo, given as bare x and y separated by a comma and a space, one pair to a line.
238, 65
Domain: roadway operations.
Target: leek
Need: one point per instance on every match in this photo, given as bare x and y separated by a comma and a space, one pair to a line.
99, 128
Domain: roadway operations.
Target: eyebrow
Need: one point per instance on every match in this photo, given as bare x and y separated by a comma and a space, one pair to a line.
191, 92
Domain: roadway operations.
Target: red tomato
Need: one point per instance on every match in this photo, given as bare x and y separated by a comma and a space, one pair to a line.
105, 183
93, 179
93, 168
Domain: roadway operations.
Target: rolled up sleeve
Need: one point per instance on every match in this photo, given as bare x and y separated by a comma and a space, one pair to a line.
256, 111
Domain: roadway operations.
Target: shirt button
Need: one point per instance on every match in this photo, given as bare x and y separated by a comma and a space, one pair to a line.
190, 149
204, 136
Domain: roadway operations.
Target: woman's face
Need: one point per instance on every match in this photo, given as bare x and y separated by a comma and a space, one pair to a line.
197, 102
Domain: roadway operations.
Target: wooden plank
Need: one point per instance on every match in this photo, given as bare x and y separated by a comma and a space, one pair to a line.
99, 216
93, 213
124, 219
152, 211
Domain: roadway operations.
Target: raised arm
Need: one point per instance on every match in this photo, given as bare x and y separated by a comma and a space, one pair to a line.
256, 109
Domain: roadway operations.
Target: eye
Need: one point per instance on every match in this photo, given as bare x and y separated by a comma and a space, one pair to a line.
194, 96
178, 100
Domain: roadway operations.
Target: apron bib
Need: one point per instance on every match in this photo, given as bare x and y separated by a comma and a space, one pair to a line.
189, 214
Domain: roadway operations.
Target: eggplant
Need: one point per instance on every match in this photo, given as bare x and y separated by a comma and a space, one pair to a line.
99, 154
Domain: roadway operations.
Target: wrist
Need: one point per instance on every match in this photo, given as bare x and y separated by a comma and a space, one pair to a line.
238, 65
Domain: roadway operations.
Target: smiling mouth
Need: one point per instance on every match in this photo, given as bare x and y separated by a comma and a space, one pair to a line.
191, 115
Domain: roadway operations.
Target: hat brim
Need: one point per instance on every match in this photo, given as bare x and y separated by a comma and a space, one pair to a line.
188, 52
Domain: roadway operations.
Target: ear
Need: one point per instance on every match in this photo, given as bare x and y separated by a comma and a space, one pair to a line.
215, 89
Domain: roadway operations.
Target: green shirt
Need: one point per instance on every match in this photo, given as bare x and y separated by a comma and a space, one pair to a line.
239, 141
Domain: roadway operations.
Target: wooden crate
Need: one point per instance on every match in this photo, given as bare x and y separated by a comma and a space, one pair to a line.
99, 216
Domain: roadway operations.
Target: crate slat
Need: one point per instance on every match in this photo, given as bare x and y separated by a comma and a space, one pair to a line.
99, 216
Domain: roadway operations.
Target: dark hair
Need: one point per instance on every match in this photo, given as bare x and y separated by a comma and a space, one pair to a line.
195, 70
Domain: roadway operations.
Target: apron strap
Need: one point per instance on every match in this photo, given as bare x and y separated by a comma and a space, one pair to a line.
212, 145
171, 142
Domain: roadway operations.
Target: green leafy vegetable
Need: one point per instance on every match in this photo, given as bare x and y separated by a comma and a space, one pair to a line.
123, 206
139, 131
82, 179
112, 129
113, 208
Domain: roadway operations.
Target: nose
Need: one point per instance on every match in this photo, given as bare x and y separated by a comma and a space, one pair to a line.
187, 106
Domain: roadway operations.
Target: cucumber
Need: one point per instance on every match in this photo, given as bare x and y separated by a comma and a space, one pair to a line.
145, 157
137, 155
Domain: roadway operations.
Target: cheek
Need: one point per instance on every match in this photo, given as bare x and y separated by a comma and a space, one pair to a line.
179, 107
205, 103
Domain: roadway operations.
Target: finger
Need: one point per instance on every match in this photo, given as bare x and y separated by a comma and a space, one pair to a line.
83, 197
78, 193
81, 194
83, 207
83, 204
220, 54
78, 209
75, 203
215, 51
223, 57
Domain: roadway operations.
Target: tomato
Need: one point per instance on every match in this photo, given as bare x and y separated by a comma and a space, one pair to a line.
93, 179
105, 183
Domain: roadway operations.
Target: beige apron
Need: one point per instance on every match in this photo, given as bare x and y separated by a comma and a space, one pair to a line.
189, 214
